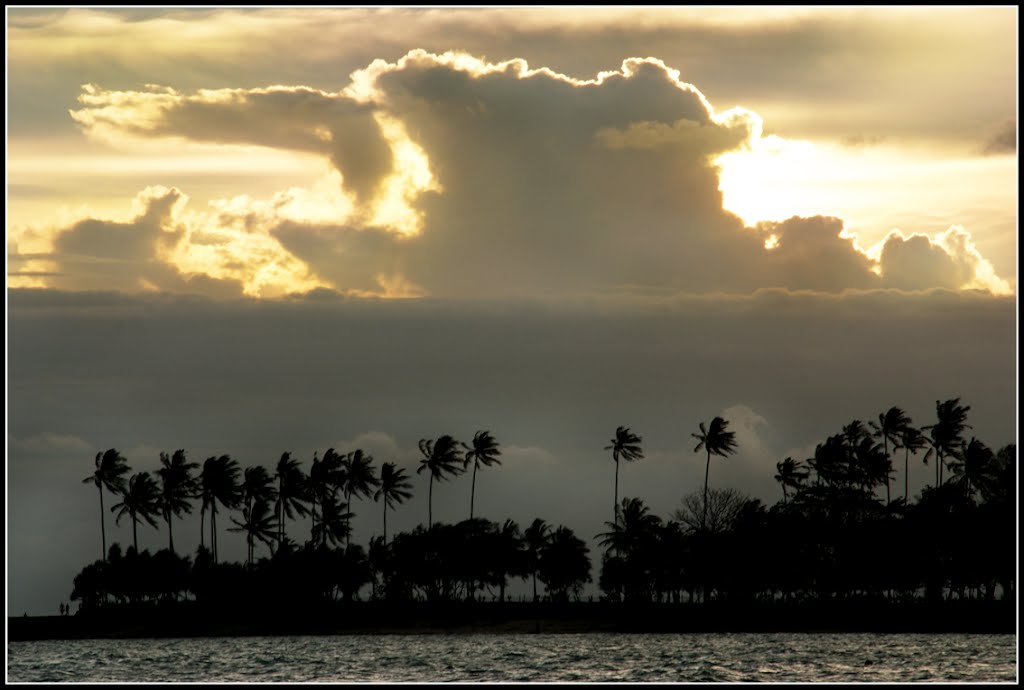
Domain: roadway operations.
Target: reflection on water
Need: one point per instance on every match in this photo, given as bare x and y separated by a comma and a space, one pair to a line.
591, 657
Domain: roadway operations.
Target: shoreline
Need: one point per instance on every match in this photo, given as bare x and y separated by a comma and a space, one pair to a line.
188, 620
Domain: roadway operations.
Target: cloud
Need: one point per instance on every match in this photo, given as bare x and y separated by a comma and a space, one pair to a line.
1003, 139
950, 260
50, 442
296, 117
455, 176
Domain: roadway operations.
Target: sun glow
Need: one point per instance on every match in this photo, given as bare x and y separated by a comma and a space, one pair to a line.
766, 180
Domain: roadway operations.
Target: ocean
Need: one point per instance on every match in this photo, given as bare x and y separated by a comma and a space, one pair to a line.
524, 658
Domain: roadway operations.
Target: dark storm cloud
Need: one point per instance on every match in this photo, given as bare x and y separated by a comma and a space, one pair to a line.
146, 373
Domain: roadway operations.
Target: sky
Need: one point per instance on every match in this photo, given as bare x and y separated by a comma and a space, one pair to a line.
251, 231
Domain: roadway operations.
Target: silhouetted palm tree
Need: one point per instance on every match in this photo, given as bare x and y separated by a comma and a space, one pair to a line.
439, 458
219, 484
484, 451
394, 488
357, 479
910, 440
325, 476
258, 523
716, 440
334, 522
626, 445
257, 487
177, 488
141, 499
290, 492
945, 436
536, 536
974, 467
890, 427
110, 470
791, 473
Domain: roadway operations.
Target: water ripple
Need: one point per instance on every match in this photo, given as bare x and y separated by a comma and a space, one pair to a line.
575, 658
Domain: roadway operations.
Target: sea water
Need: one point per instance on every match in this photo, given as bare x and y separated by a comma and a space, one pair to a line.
483, 658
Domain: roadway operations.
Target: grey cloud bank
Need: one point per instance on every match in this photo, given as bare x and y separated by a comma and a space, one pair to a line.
551, 380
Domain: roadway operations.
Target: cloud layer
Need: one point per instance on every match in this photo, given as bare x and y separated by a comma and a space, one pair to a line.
453, 176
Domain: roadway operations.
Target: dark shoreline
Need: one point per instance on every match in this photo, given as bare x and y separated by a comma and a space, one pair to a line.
375, 618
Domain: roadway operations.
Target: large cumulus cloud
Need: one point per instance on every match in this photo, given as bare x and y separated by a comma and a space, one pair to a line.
524, 181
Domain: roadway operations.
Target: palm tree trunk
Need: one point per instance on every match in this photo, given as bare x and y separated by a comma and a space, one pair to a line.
535, 583
213, 531
103, 529
785, 498
135, 535
385, 522
170, 532
430, 503
615, 505
885, 442
348, 517
202, 526
472, 493
906, 476
704, 517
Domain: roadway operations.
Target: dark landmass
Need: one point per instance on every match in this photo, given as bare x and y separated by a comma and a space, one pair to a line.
187, 620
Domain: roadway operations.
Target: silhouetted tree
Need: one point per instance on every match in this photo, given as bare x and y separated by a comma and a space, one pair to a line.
564, 564
890, 428
790, 473
290, 493
536, 538
177, 487
110, 470
440, 458
910, 440
484, 451
973, 467
716, 440
325, 477
625, 445
334, 522
219, 484
141, 499
394, 488
258, 523
357, 479
945, 436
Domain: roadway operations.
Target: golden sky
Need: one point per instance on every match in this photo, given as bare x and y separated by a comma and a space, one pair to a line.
274, 151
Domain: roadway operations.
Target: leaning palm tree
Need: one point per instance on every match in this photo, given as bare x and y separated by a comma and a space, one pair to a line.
219, 484
890, 427
257, 487
790, 473
946, 434
291, 493
716, 440
110, 468
537, 537
357, 479
334, 522
484, 451
626, 445
440, 458
394, 488
177, 488
974, 467
140, 499
910, 440
325, 476
258, 523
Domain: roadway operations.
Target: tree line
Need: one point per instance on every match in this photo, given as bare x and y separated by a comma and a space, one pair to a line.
834, 534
